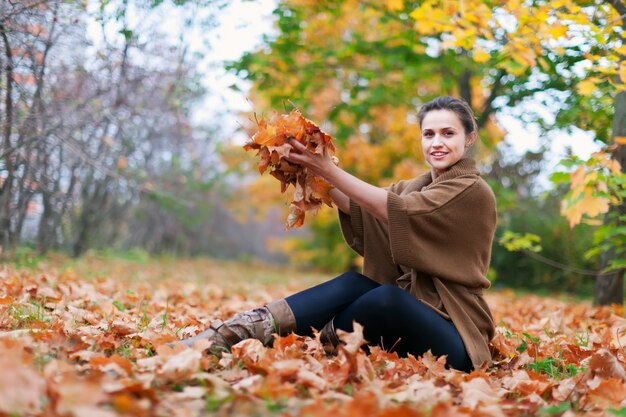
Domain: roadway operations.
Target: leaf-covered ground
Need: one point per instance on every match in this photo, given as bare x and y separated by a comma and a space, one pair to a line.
88, 339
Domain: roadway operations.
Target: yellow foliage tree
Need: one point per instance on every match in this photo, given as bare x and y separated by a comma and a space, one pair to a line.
361, 69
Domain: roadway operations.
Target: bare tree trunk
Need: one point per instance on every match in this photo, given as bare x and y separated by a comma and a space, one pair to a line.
6, 192
25, 193
45, 232
465, 86
610, 287
91, 216
55, 203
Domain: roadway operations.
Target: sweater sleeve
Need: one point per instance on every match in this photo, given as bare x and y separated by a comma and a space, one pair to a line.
353, 224
352, 227
444, 231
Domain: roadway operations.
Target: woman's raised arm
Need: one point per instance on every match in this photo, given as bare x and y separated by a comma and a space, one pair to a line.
341, 200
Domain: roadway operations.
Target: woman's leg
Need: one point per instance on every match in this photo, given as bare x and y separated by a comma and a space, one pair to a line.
312, 307
394, 318
315, 306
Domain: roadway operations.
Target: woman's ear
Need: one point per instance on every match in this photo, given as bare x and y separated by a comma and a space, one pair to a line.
470, 139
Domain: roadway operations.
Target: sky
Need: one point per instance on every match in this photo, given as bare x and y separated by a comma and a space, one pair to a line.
241, 27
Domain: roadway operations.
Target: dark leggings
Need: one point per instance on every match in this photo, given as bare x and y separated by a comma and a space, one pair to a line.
391, 317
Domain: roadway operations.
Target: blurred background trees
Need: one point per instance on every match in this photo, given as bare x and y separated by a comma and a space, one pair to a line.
100, 147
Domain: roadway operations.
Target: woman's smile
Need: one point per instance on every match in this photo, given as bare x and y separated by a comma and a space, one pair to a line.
439, 155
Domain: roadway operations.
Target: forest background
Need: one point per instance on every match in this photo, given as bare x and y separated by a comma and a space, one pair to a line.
103, 148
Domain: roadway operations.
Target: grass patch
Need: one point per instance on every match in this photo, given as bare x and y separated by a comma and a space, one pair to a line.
133, 267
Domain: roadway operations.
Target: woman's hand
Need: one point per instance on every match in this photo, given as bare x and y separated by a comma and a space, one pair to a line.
318, 164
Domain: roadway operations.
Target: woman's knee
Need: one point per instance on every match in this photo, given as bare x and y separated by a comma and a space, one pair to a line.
383, 298
354, 279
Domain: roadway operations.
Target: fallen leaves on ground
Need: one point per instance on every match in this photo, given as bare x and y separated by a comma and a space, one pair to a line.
271, 142
71, 346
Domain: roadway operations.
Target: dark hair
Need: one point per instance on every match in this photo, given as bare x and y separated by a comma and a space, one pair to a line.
456, 105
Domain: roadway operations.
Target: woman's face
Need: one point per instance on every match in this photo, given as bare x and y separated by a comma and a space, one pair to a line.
443, 140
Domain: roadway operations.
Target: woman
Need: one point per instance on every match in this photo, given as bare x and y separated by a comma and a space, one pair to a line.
426, 245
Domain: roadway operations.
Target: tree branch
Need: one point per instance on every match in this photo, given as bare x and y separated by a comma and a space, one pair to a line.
620, 6
495, 91
8, 16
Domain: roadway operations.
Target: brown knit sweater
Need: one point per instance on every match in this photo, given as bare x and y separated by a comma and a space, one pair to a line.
437, 246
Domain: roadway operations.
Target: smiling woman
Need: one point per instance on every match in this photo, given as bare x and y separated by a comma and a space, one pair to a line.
448, 130
426, 245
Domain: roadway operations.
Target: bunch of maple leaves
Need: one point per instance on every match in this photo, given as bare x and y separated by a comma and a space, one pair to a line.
71, 346
271, 141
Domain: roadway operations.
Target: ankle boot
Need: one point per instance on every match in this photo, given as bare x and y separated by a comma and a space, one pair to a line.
260, 323
329, 338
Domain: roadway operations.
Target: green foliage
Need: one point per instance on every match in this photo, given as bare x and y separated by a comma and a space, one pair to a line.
125, 350
144, 319
324, 247
596, 185
120, 306
136, 255
23, 257
555, 409
522, 348
527, 216
555, 368
611, 236
516, 242
27, 315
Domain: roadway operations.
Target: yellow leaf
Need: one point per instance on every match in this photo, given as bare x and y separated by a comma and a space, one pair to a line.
591, 57
395, 5
471, 17
590, 177
615, 166
621, 50
590, 205
480, 55
586, 87
558, 31
418, 14
577, 177
571, 213
464, 38
525, 55
419, 48
620, 140
593, 205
